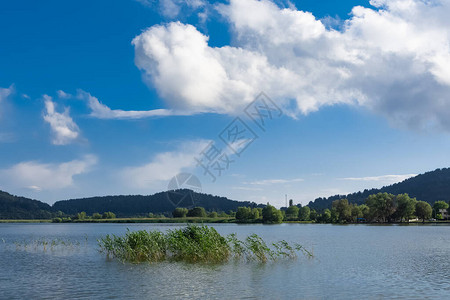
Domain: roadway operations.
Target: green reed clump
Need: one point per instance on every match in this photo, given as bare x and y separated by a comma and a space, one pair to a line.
194, 244
135, 246
198, 244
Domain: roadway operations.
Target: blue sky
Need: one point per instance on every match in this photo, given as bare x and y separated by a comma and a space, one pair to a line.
117, 98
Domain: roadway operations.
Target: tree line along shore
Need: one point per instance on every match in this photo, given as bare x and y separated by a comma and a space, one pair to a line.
378, 208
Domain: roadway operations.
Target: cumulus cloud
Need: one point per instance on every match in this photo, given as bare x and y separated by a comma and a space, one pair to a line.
101, 111
393, 58
163, 166
45, 176
63, 127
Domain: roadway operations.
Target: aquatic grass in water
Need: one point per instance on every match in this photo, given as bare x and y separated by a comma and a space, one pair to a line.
197, 244
45, 244
136, 246
194, 244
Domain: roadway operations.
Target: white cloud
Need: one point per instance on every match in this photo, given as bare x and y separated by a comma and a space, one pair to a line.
163, 166
64, 128
274, 181
384, 178
173, 8
45, 176
34, 188
393, 59
63, 95
5, 92
7, 137
245, 188
169, 8
101, 111
146, 2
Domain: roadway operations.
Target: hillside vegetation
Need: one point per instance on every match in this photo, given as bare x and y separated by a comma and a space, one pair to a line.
13, 207
429, 187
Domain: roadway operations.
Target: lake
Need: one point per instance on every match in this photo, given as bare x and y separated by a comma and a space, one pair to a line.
351, 262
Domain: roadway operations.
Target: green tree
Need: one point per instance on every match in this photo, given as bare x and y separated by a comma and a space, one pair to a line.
304, 213
212, 214
326, 216
81, 215
343, 209
256, 213
313, 215
405, 207
223, 214
365, 211
243, 213
180, 212
382, 206
96, 216
438, 205
197, 212
292, 212
271, 215
423, 210
334, 215
109, 215
356, 212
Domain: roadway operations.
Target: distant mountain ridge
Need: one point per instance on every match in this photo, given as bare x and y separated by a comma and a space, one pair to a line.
429, 187
163, 202
14, 207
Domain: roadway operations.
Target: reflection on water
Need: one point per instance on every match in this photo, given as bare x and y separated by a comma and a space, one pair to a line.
351, 262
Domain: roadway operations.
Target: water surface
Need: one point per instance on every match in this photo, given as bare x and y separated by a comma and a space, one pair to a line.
351, 262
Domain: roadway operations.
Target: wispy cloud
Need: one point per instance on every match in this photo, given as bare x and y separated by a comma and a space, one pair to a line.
274, 181
245, 188
39, 176
5, 92
173, 8
163, 166
64, 128
101, 111
384, 178
63, 95
7, 137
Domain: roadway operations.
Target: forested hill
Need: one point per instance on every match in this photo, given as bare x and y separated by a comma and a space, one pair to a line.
164, 202
430, 187
13, 207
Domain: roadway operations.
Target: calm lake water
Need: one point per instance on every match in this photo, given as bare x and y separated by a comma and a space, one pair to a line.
351, 262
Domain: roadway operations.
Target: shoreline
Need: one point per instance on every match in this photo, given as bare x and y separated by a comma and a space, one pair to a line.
202, 220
